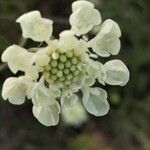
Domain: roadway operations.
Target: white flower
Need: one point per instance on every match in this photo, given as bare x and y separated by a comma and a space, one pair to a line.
54, 74
84, 17
107, 41
116, 73
74, 115
35, 27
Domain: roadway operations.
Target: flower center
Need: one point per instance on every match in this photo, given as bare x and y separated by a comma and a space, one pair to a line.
62, 67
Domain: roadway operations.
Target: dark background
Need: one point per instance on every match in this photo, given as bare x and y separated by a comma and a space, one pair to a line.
126, 126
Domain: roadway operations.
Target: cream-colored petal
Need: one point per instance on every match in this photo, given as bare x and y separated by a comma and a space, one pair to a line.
68, 98
107, 41
54, 90
35, 27
41, 58
74, 115
77, 83
41, 95
89, 80
81, 3
14, 90
105, 46
30, 15
83, 19
17, 58
116, 72
32, 73
110, 28
96, 70
68, 41
49, 115
95, 101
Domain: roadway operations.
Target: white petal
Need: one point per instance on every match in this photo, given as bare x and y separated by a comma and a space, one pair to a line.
95, 101
107, 41
49, 115
84, 19
17, 58
116, 73
41, 58
14, 90
77, 83
105, 46
89, 80
32, 73
40, 95
35, 27
96, 70
54, 90
74, 115
68, 98
110, 28
81, 3
68, 41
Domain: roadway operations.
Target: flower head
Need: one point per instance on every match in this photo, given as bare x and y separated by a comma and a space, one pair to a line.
54, 74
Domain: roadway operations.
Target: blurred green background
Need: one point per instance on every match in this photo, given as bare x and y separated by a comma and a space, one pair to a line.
126, 126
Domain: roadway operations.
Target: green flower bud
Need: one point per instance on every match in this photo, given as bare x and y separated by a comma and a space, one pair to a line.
69, 54
63, 58
66, 71
59, 74
68, 64
53, 63
74, 60
73, 68
69, 76
54, 70
62, 79
61, 65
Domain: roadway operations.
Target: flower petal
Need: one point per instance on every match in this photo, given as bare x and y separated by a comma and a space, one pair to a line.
17, 58
74, 115
40, 95
41, 58
95, 101
107, 41
104, 45
35, 27
81, 3
68, 41
49, 115
84, 18
96, 70
14, 90
68, 98
116, 73
110, 28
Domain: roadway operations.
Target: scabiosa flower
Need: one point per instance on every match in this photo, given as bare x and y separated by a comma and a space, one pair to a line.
54, 74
